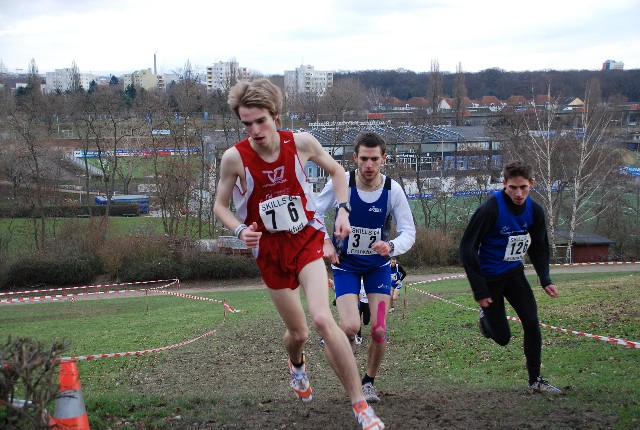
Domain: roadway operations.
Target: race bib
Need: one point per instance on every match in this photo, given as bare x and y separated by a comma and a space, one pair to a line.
283, 213
361, 239
517, 247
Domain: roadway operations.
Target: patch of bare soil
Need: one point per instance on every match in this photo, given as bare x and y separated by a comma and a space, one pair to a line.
238, 379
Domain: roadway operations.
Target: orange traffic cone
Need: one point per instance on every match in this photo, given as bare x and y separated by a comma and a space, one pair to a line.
70, 412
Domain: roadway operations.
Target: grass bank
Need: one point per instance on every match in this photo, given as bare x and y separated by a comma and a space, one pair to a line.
437, 368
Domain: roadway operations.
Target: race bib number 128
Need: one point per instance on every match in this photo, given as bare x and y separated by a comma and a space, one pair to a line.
517, 247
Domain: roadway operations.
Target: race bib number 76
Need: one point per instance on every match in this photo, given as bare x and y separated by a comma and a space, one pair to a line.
283, 213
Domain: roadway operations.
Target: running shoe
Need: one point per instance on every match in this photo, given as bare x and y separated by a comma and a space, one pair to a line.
392, 309
358, 340
369, 392
366, 417
483, 326
300, 381
542, 386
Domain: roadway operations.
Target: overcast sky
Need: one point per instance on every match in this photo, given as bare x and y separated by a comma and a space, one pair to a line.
271, 36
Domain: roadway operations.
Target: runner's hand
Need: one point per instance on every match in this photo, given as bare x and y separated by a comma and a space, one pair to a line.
551, 290
484, 303
330, 253
250, 236
342, 225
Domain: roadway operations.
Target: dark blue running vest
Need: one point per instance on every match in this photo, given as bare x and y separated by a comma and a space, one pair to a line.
505, 244
369, 224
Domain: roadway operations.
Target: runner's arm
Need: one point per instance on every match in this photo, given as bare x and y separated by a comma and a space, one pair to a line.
401, 212
310, 149
230, 166
479, 224
403, 274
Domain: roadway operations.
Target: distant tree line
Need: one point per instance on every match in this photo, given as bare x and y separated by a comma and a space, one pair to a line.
501, 83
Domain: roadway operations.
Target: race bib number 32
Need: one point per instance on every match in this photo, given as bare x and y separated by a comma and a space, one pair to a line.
283, 213
517, 247
361, 239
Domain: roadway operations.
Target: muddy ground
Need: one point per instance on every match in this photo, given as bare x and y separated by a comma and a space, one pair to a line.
244, 385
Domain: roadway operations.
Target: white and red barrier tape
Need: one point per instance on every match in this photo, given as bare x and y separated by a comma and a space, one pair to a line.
628, 343
71, 296
597, 263
158, 289
59, 297
134, 353
49, 290
206, 299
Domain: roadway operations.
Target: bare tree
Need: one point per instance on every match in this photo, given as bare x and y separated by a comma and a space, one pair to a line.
596, 162
459, 95
30, 120
74, 78
108, 125
581, 161
434, 88
344, 100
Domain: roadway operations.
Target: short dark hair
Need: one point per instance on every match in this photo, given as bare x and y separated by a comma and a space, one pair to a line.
514, 169
370, 140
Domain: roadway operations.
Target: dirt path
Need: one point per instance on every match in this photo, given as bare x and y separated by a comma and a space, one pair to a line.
200, 286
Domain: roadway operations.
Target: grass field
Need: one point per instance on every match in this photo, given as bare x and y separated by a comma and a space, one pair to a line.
438, 372
16, 235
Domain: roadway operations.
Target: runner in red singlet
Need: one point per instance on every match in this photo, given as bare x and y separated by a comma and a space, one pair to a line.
264, 174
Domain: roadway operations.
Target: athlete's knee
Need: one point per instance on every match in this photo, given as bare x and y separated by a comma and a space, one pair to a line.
379, 331
502, 340
322, 322
350, 329
531, 327
298, 336
501, 336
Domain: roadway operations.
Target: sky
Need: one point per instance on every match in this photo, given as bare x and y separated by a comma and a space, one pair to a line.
269, 37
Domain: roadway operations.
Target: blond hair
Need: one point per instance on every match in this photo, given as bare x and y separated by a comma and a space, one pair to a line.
260, 93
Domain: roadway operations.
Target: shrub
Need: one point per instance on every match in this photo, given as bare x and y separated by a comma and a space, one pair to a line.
27, 368
202, 265
433, 248
135, 258
141, 269
51, 268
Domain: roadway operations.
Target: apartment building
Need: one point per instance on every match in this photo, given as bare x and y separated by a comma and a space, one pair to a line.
305, 79
60, 80
141, 79
223, 74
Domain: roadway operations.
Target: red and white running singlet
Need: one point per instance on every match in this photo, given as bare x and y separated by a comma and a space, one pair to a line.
278, 196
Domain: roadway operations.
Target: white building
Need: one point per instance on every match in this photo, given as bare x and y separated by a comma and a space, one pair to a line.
165, 80
613, 65
305, 79
222, 74
60, 80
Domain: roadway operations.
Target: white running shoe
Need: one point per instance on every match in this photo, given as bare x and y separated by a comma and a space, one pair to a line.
300, 381
367, 417
542, 386
370, 393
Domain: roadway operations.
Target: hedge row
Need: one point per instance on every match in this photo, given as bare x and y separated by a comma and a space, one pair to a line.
123, 259
71, 211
